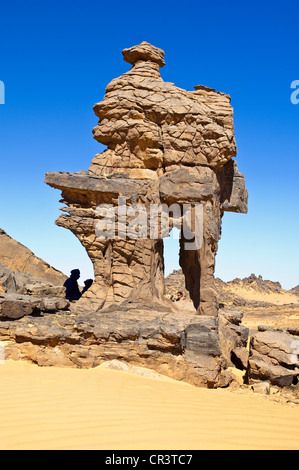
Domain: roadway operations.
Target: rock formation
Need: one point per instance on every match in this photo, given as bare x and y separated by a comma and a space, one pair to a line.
252, 292
165, 146
28, 285
201, 350
274, 357
36, 324
22, 266
295, 290
194, 349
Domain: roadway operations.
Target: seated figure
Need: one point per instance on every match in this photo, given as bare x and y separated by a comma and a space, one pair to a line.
72, 291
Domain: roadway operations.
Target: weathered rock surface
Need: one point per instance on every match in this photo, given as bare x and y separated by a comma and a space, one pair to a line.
18, 265
15, 306
180, 345
167, 339
274, 357
13, 282
165, 145
21, 292
295, 290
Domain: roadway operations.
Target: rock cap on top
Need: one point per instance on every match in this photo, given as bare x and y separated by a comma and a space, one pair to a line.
144, 51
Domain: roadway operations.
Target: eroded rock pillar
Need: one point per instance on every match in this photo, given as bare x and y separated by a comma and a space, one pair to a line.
165, 145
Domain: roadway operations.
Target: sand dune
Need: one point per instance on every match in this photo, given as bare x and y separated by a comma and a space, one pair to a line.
52, 408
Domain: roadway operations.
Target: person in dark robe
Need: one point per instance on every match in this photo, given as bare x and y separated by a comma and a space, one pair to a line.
72, 291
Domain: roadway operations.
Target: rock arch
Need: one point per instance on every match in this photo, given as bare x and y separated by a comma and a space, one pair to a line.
165, 145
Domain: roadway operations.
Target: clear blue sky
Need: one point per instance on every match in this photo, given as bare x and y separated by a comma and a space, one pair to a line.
57, 58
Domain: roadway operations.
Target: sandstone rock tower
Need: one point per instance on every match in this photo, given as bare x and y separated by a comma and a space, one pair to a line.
165, 145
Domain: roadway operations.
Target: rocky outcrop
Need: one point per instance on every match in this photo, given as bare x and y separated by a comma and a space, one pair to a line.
22, 293
13, 282
258, 283
180, 345
201, 350
20, 266
165, 146
295, 290
15, 306
274, 357
231, 293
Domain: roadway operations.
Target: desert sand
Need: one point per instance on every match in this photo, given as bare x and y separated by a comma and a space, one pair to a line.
55, 408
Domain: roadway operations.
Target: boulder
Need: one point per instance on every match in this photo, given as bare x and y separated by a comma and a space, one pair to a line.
233, 337
261, 387
274, 357
14, 309
15, 306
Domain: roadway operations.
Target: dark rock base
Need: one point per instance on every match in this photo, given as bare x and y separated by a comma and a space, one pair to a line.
187, 347
177, 343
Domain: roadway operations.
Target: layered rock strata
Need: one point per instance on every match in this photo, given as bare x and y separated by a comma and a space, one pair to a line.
186, 347
165, 146
274, 357
201, 350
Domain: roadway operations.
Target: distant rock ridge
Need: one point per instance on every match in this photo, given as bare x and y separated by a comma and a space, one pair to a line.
227, 291
19, 265
258, 282
295, 290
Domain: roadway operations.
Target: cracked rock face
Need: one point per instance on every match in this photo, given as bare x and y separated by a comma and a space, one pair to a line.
182, 346
165, 145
